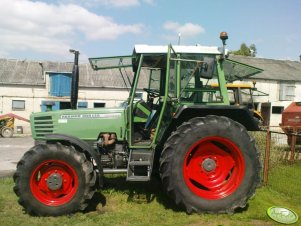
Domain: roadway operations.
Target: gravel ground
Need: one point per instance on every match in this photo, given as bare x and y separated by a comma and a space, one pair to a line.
11, 151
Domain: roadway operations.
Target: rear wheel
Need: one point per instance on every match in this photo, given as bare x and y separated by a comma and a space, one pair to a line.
54, 180
7, 132
210, 165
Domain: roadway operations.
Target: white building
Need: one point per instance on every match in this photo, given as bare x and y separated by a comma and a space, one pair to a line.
281, 79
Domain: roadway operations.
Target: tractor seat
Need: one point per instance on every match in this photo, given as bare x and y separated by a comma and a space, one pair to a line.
141, 111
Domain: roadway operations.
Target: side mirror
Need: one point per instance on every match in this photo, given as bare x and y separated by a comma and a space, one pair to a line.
204, 67
207, 68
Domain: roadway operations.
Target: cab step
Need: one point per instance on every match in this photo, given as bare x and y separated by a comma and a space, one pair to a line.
140, 165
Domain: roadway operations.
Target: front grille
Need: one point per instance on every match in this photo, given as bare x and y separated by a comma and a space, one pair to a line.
43, 125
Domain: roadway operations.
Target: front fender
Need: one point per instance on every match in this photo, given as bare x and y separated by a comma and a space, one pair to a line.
83, 145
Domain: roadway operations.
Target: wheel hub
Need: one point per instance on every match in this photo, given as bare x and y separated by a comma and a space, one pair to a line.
54, 181
209, 165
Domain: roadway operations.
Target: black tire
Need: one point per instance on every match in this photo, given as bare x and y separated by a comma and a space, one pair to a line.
7, 132
198, 153
53, 180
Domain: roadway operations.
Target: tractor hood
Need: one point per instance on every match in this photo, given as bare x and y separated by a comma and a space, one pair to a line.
87, 123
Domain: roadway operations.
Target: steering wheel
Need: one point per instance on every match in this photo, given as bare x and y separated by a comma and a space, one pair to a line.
152, 92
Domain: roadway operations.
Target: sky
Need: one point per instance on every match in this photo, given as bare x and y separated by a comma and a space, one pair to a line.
47, 29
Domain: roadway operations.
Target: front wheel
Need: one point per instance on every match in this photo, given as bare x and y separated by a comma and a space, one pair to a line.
7, 132
210, 165
53, 180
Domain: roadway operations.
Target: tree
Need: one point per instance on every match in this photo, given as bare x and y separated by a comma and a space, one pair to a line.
253, 50
246, 50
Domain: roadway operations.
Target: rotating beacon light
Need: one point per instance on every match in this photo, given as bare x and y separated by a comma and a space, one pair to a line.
224, 36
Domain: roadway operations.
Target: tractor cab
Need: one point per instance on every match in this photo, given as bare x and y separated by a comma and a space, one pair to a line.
164, 79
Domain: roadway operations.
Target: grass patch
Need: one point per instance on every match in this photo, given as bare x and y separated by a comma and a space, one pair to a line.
285, 178
123, 203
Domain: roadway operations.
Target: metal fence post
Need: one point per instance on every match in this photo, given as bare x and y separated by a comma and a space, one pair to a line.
267, 157
293, 144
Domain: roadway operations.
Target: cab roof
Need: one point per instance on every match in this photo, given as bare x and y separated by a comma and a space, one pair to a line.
198, 49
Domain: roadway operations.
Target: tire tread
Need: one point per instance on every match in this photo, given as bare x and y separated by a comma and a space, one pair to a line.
168, 153
37, 152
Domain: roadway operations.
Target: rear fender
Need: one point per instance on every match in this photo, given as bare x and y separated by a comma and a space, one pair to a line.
240, 114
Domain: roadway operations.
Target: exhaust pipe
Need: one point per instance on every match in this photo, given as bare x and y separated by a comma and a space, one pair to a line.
75, 80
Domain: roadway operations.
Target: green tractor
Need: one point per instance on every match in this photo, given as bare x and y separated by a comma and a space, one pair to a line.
173, 124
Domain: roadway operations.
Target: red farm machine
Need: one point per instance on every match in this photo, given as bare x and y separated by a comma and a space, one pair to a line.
291, 122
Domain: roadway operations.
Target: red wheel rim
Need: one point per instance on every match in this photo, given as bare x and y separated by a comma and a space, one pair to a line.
213, 168
54, 183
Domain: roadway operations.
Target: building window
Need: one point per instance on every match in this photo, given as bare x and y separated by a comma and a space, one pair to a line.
99, 105
50, 106
65, 105
60, 84
287, 91
18, 105
277, 109
82, 104
139, 95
